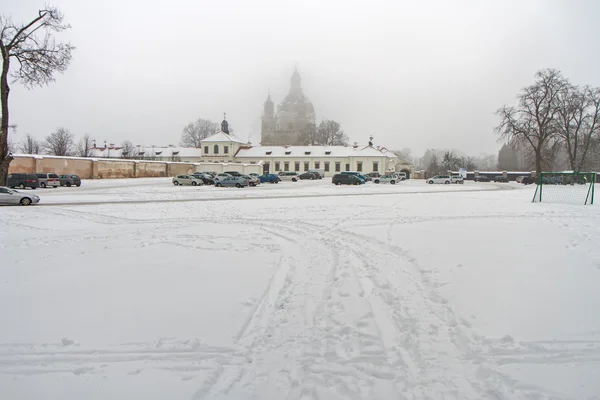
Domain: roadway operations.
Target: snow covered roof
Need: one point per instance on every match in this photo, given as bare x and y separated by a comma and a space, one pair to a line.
309, 152
223, 137
168, 151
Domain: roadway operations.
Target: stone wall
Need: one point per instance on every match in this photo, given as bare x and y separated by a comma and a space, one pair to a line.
92, 168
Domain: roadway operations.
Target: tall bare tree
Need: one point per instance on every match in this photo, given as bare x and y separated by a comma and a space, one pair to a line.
32, 44
330, 134
195, 132
84, 146
30, 145
578, 122
532, 120
128, 150
59, 142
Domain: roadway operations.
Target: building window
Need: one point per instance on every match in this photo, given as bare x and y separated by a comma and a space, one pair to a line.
347, 167
326, 166
277, 166
337, 167
307, 153
205, 149
216, 149
286, 166
327, 153
359, 166
375, 166
225, 149
251, 162
317, 165
306, 166
287, 153
297, 166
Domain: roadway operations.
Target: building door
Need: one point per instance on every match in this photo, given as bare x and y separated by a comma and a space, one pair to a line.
266, 167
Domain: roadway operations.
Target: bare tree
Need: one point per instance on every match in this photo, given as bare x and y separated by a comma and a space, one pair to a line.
309, 135
32, 44
128, 150
532, 120
578, 122
85, 146
60, 142
449, 161
195, 132
30, 145
330, 134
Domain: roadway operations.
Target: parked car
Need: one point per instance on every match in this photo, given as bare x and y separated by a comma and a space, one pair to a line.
47, 180
457, 179
69, 180
220, 176
482, 178
319, 171
270, 178
234, 173
500, 178
528, 180
252, 181
22, 181
362, 177
401, 175
254, 174
374, 175
181, 180
232, 181
389, 178
14, 197
207, 179
445, 179
519, 179
289, 176
309, 175
345, 179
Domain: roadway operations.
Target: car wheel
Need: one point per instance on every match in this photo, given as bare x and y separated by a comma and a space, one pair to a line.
338, 183
54, 187
68, 184
218, 184
431, 182
79, 184
43, 185
393, 182
194, 184
32, 188
447, 182
294, 179
376, 181
357, 183
21, 186
176, 183
25, 201
237, 185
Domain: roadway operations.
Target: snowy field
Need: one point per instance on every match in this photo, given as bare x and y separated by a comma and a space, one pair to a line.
136, 289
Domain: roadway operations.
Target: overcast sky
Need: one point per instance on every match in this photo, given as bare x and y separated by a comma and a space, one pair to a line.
413, 74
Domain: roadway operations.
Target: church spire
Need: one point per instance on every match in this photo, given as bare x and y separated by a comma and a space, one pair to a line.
269, 107
296, 81
225, 124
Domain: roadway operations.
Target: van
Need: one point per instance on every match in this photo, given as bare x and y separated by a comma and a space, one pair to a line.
346, 179
22, 181
319, 171
47, 180
289, 176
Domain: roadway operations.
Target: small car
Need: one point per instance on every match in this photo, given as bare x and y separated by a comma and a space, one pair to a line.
445, 179
374, 175
233, 173
270, 178
207, 179
500, 178
389, 178
14, 197
528, 180
309, 175
345, 179
181, 180
289, 176
22, 181
48, 180
481, 178
69, 180
458, 179
252, 181
220, 176
232, 181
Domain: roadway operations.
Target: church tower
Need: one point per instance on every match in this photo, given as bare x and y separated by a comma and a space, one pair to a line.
268, 117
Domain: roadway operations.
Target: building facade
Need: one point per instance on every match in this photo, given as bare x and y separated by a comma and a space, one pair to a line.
286, 126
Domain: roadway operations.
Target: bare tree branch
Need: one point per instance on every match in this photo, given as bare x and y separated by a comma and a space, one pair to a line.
30, 145
195, 132
60, 142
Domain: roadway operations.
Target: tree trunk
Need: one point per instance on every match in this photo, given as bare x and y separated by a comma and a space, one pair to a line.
5, 157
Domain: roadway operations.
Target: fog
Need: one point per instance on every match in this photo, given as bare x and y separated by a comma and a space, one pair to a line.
412, 74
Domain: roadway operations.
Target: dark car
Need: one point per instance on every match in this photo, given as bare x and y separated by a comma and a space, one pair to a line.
528, 180
309, 175
69, 180
342, 179
22, 181
500, 178
207, 179
270, 178
233, 173
482, 178
374, 175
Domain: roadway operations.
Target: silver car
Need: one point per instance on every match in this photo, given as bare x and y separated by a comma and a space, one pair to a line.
14, 197
232, 181
252, 180
181, 180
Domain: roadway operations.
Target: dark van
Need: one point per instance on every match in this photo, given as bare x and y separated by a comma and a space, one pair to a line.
22, 181
342, 179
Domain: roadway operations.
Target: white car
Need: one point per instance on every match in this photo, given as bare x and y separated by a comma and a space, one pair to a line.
252, 180
181, 180
289, 176
401, 175
457, 179
14, 197
389, 178
445, 179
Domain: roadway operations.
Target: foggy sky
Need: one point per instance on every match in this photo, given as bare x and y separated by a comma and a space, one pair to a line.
413, 74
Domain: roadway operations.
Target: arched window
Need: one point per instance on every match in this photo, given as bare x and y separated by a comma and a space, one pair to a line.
216, 149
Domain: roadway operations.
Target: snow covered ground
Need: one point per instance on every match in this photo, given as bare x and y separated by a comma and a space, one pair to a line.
300, 291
